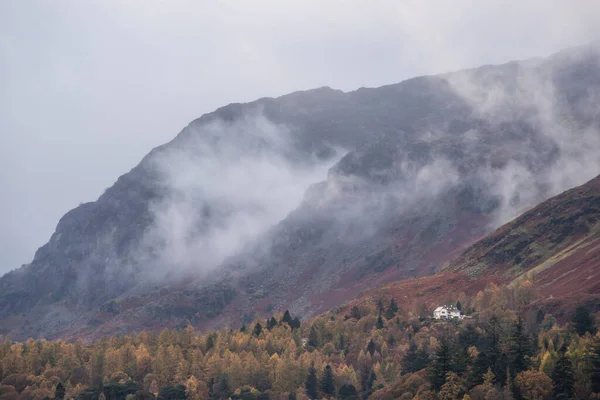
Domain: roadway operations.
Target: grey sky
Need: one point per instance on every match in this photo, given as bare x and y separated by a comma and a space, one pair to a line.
87, 88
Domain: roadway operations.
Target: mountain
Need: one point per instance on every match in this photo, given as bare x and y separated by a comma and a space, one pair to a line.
554, 247
302, 201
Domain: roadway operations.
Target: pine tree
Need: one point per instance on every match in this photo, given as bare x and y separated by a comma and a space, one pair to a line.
380, 306
287, 318
583, 321
458, 306
391, 310
59, 392
593, 359
520, 348
313, 337
371, 347
257, 329
441, 364
271, 323
327, 385
311, 382
379, 322
562, 377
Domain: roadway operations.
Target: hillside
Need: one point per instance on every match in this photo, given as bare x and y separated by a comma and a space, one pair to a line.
304, 200
551, 251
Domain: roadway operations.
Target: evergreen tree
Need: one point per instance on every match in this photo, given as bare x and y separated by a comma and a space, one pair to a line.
562, 377
59, 392
287, 318
583, 321
272, 323
379, 322
441, 364
348, 392
295, 324
458, 306
221, 387
594, 364
313, 337
391, 310
311, 382
415, 359
327, 385
380, 306
257, 329
243, 328
520, 348
371, 347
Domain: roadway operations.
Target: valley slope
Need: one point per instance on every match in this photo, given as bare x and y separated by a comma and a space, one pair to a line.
419, 171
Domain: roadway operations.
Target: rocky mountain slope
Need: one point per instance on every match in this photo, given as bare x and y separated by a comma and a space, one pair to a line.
554, 247
236, 216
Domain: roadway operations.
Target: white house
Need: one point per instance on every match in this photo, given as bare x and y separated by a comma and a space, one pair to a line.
447, 312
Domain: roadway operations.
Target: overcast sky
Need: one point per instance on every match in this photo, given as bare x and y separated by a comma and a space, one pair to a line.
87, 88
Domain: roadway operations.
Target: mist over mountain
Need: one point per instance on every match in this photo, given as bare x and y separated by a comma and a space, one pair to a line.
302, 201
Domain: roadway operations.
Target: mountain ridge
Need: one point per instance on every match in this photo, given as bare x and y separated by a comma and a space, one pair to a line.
431, 165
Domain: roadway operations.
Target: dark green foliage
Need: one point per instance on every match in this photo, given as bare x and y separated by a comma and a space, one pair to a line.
593, 359
563, 380
313, 337
380, 306
243, 328
246, 394
458, 306
520, 348
210, 342
91, 393
379, 322
257, 329
118, 391
171, 393
271, 323
371, 347
59, 392
348, 392
583, 321
441, 363
287, 318
391, 310
415, 359
295, 324
144, 395
355, 313
327, 385
311, 382
220, 389
539, 317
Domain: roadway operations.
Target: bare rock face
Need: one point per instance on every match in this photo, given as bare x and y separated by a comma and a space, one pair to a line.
303, 201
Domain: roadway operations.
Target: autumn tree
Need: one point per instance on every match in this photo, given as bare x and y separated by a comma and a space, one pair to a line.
534, 385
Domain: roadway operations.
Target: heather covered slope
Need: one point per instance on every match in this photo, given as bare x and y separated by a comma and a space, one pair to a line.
550, 254
303, 200
557, 242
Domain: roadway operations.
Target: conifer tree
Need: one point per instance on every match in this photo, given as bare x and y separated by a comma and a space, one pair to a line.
562, 377
313, 337
379, 322
311, 382
59, 392
583, 321
257, 329
520, 348
287, 318
327, 385
594, 363
441, 364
